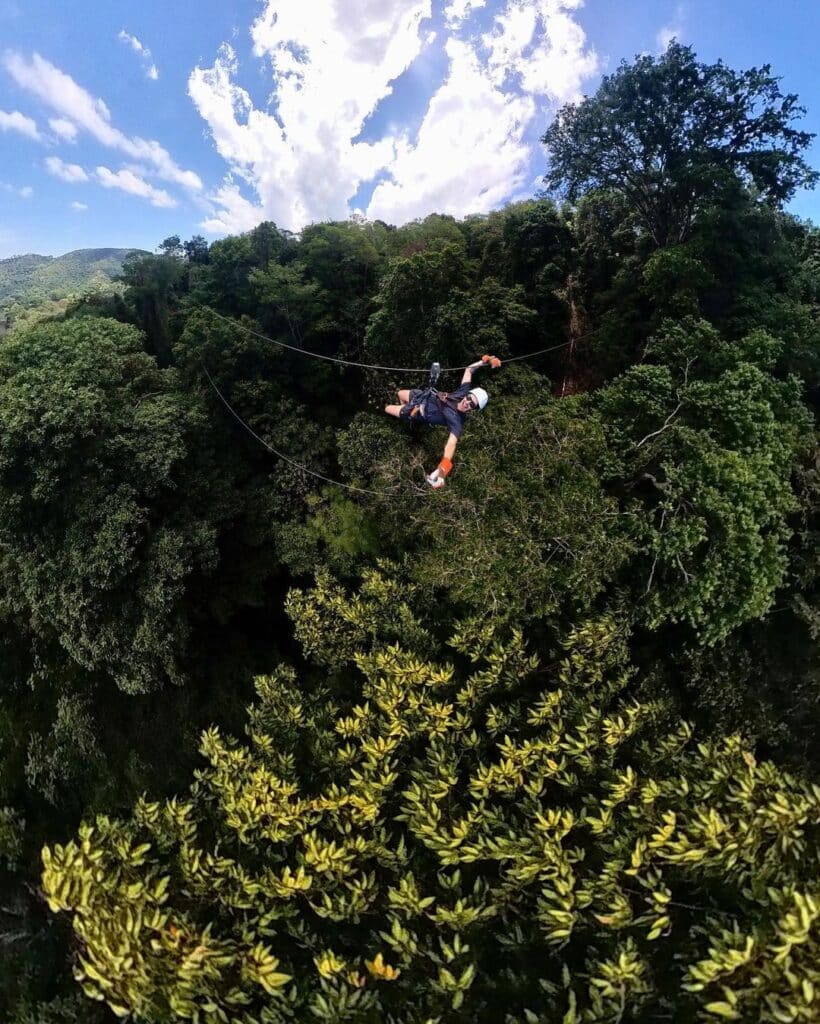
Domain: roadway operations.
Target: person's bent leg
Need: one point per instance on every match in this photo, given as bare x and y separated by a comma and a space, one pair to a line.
403, 396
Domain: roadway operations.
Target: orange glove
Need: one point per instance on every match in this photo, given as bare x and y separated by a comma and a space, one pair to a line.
439, 475
493, 361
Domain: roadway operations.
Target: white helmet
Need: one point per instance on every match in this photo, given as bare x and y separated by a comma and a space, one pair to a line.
481, 396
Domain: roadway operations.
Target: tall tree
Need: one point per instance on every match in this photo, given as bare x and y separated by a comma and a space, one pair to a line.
433, 305
196, 249
152, 284
708, 439
673, 134
103, 519
417, 842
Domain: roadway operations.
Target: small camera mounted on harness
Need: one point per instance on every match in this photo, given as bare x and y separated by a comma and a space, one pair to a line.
414, 408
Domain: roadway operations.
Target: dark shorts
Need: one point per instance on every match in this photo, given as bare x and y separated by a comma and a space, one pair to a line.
411, 408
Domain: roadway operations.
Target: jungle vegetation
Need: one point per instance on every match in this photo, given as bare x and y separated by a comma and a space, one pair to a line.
34, 287
537, 748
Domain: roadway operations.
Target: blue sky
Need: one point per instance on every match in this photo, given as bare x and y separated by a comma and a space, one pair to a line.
121, 124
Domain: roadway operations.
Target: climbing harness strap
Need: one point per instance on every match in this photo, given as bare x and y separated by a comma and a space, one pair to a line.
415, 408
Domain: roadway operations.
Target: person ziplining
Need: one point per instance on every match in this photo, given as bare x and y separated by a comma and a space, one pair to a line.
424, 405
443, 409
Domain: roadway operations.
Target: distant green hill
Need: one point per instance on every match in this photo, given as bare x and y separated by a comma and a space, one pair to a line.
30, 280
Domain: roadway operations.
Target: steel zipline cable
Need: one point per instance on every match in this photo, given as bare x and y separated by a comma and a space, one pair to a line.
281, 455
376, 366
346, 362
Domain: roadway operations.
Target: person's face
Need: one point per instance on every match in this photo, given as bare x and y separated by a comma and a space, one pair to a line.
467, 404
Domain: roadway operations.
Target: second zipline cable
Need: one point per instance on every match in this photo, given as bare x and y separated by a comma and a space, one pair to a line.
281, 455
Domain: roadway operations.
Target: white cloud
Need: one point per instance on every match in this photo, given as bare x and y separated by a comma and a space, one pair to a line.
459, 10
128, 181
26, 192
666, 35
302, 159
72, 173
132, 41
17, 122
150, 68
69, 99
674, 30
66, 129
79, 207
470, 153
331, 63
537, 43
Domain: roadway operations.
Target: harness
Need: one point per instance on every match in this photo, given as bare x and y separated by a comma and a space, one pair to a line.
415, 408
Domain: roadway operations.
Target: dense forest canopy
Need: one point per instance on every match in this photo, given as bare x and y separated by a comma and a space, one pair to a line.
537, 747
29, 280
34, 288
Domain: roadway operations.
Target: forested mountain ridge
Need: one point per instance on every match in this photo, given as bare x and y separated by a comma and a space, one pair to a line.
538, 747
27, 280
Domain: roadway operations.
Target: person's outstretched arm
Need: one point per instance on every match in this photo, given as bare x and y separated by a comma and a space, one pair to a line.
470, 370
442, 470
493, 361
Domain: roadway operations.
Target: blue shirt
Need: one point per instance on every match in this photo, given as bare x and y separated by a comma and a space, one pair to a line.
442, 412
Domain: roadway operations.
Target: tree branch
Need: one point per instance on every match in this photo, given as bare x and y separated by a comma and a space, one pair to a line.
675, 411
